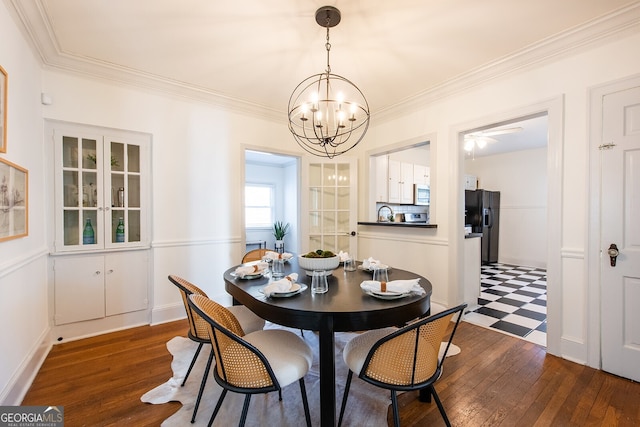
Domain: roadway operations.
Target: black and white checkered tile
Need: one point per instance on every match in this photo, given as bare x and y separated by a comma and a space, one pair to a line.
513, 299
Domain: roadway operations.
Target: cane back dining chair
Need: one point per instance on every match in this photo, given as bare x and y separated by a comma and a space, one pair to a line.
260, 362
402, 359
254, 255
242, 319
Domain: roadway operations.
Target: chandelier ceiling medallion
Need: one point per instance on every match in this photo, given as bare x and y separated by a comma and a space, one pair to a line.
328, 114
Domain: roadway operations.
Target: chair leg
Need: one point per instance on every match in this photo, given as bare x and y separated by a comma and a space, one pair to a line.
193, 362
394, 405
440, 407
305, 402
245, 409
202, 384
280, 395
217, 408
345, 396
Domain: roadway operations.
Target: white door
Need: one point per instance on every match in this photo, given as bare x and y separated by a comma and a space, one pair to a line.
620, 216
330, 205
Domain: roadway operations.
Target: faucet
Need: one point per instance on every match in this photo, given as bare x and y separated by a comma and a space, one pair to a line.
390, 210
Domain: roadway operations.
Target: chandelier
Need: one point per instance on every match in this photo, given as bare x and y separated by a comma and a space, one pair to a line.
328, 114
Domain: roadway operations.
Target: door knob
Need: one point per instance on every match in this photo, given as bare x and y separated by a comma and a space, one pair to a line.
613, 254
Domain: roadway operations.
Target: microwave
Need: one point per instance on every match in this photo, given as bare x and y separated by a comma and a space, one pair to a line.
421, 195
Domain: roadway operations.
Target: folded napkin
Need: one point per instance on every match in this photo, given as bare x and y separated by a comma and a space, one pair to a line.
247, 270
370, 263
282, 285
401, 286
344, 256
270, 255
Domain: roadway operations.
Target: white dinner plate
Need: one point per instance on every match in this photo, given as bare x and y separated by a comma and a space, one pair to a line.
296, 288
370, 270
386, 295
249, 276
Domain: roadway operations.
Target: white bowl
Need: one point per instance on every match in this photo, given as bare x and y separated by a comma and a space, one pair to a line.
327, 264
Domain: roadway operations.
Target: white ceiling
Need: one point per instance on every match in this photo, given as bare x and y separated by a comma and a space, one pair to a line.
251, 54
254, 52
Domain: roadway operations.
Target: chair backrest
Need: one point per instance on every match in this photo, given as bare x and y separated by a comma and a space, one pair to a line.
198, 326
238, 363
254, 255
408, 358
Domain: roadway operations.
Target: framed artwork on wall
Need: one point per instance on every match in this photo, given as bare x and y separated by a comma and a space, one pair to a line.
4, 85
14, 201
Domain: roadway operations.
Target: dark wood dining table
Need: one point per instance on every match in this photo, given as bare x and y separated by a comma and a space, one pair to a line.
343, 308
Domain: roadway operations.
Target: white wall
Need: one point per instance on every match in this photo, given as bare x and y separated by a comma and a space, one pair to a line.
24, 320
521, 178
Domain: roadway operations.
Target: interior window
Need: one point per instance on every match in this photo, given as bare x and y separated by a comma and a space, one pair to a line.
259, 200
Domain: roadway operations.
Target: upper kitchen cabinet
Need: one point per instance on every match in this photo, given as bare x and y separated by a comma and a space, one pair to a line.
400, 182
101, 190
382, 179
421, 175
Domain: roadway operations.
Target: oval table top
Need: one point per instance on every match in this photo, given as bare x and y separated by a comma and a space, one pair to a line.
348, 307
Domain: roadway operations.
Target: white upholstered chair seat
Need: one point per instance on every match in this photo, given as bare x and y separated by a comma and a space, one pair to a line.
289, 355
249, 321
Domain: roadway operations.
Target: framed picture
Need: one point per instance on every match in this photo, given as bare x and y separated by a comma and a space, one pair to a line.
4, 85
14, 201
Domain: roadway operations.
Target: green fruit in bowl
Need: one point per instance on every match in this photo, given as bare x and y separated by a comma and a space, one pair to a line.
319, 254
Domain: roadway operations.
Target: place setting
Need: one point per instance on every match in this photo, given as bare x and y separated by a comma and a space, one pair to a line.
251, 270
285, 287
370, 264
380, 287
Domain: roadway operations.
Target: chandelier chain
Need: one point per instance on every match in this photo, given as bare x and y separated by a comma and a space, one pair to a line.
328, 47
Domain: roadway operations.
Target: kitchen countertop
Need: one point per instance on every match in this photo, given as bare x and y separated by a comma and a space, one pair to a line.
399, 224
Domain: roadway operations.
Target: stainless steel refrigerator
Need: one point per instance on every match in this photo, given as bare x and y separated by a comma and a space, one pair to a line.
482, 213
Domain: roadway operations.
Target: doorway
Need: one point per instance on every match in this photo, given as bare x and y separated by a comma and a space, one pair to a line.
271, 183
553, 108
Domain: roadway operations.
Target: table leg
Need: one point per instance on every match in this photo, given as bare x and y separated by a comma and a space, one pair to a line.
327, 375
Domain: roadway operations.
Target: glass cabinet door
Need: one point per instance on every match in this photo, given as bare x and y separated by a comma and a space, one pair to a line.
81, 190
125, 191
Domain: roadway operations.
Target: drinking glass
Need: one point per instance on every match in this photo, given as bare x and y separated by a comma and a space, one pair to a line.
380, 274
319, 283
349, 264
277, 269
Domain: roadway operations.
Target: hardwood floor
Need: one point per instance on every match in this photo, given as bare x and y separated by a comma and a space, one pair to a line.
495, 380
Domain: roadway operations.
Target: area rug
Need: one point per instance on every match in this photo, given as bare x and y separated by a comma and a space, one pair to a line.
367, 405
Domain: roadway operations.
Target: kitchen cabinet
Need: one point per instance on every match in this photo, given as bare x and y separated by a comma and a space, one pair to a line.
470, 182
382, 179
421, 174
400, 182
95, 286
472, 268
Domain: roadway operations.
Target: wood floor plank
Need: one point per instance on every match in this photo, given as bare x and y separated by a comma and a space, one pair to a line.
496, 380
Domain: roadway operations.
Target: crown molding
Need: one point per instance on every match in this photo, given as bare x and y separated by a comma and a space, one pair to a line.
622, 22
38, 31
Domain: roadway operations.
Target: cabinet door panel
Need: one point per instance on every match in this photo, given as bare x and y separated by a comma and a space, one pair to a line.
79, 289
126, 277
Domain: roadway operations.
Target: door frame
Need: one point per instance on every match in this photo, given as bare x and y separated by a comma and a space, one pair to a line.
554, 108
596, 98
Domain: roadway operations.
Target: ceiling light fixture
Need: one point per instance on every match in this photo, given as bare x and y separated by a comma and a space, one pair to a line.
328, 114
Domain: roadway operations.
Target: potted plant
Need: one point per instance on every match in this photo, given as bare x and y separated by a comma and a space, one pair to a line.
280, 229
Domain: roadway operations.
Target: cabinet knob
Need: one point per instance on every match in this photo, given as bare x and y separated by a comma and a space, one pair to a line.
98, 272
110, 271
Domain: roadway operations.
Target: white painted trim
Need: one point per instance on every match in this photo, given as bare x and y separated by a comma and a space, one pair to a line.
554, 107
572, 253
596, 95
195, 242
167, 313
21, 380
14, 265
413, 238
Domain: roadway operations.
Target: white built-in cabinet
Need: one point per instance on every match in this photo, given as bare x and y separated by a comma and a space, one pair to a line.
101, 202
382, 178
421, 175
400, 182
470, 182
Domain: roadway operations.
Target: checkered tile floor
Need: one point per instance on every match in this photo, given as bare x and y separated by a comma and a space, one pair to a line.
513, 300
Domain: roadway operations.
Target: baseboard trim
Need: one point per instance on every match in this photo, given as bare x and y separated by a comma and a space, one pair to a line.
21, 381
167, 313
